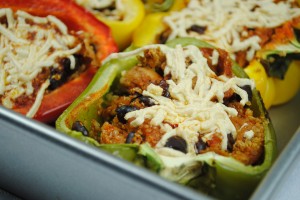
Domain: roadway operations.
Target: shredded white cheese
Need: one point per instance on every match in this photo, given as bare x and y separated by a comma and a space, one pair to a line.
38, 100
100, 7
249, 134
225, 21
192, 89
27, 45
99, 4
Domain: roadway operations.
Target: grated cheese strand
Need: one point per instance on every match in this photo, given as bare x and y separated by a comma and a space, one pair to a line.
100, 7
38, 100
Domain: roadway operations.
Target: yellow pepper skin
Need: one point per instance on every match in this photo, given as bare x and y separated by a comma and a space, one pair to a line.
275, 91
264, 84
152, 25
122, 30
286, 89
149, 29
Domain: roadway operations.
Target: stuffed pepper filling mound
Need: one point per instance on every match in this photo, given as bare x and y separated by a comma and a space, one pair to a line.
183, 101
110, 9
240, 27
38, 55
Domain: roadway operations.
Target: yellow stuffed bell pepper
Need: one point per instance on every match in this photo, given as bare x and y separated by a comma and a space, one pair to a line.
275, 91
286, 89
122, 16
277, 46
264, 84
150, 29
279, 63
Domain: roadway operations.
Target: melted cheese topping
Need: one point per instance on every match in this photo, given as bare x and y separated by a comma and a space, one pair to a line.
28, 44
101, 7
225, 21
193, 88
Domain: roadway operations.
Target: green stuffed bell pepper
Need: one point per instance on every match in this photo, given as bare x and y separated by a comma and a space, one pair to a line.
183, 110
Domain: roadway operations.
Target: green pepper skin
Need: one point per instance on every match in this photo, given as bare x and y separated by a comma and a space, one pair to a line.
153, 6
220, 176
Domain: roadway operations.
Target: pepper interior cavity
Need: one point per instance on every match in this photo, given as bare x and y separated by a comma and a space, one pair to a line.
178, 98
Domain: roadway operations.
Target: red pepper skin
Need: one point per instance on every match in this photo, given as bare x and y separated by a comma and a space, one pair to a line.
75, 18
56, 102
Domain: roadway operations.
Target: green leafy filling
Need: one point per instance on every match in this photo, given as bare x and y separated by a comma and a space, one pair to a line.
277, 66
276, 62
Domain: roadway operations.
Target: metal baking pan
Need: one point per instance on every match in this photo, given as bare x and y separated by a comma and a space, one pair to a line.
282, 182
37, 162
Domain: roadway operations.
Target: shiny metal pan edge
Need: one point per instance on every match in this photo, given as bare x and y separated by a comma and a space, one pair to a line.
37, 162
282, 181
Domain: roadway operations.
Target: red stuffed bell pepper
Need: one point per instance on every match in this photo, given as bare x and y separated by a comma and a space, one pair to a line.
49, 52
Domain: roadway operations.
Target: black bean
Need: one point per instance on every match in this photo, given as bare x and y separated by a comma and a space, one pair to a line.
78, 126
230, 142
59, 75
80, 60
66, 63
200, 145
3, 21
177, 143
236, 98
163, 37
55, 79
248, 89
147, 101
165, 86
129, 138
198, 29
159, 70
122, 111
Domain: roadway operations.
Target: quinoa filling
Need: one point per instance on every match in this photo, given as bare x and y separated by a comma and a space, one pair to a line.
182, 101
